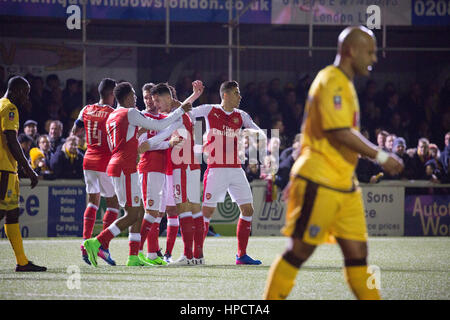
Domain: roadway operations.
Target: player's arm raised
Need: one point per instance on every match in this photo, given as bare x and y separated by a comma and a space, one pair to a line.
139, 120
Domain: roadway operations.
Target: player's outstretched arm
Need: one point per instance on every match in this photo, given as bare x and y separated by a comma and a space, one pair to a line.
197, 91
157, 141
355, 141
139, 120
17, 153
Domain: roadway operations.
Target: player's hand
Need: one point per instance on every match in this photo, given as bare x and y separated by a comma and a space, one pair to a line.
187, 106
175, 140
393, 165
30, 173
141, 131
197, 87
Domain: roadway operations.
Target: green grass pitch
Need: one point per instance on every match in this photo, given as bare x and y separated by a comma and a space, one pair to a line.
410, 268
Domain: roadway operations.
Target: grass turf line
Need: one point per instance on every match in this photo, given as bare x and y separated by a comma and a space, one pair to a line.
411, 268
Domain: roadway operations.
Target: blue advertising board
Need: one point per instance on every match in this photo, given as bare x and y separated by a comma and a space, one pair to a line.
430, 12
155, 10
65, 211
427, 215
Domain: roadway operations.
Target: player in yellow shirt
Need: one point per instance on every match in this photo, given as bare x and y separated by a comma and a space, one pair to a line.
323, 194
11, 155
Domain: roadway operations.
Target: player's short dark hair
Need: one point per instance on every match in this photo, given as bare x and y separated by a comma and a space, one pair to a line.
122, 90
148, 86
227, 86
16, 83
106, 87
160, 89
51, 77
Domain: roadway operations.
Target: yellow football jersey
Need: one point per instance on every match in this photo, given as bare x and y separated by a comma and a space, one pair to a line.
9, 120
332, 104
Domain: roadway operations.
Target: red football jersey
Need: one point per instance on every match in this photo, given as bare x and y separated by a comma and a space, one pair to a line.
188, 145
155, 160
98, 152
124, 143
223, 129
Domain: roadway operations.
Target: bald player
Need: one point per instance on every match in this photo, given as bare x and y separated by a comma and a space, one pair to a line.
323, 195
12, 159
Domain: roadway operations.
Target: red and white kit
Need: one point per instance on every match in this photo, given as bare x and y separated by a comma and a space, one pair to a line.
98, 153
152, 169
186, 168
122, 127
224, 172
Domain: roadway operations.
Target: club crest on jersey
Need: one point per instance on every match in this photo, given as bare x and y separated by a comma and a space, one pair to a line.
150, 202
208, 196
235, 120
314, 230
11, 116
337, 100
136, 199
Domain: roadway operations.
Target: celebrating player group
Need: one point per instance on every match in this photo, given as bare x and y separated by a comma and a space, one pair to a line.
147, 162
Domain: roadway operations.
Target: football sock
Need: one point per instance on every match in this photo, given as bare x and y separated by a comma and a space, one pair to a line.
281, 279
107, 235
110, 216
206, 222
145, 228
134, 240
199, 226
89, 220
172, 232
243, 234
356, 275
187, 232
152, 236
15, 238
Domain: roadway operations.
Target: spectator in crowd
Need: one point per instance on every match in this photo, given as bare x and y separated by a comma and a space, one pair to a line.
40, 158
391, 107
274, 91
434, 169
418, 160
445, 159
252, 171
52, 82
287, 159
399, 148
55, 134
292, 111
72, 98
67, 161
389, 142
381, 139
277, 124
25, 142
30, 129
368, 171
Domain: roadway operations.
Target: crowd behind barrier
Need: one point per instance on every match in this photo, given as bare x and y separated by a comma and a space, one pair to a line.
415, 125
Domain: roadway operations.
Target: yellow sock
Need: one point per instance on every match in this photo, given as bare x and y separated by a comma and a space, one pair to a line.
15, 238
356, 277
281, 280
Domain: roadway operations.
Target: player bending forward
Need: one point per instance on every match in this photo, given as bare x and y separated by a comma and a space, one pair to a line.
224, 172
